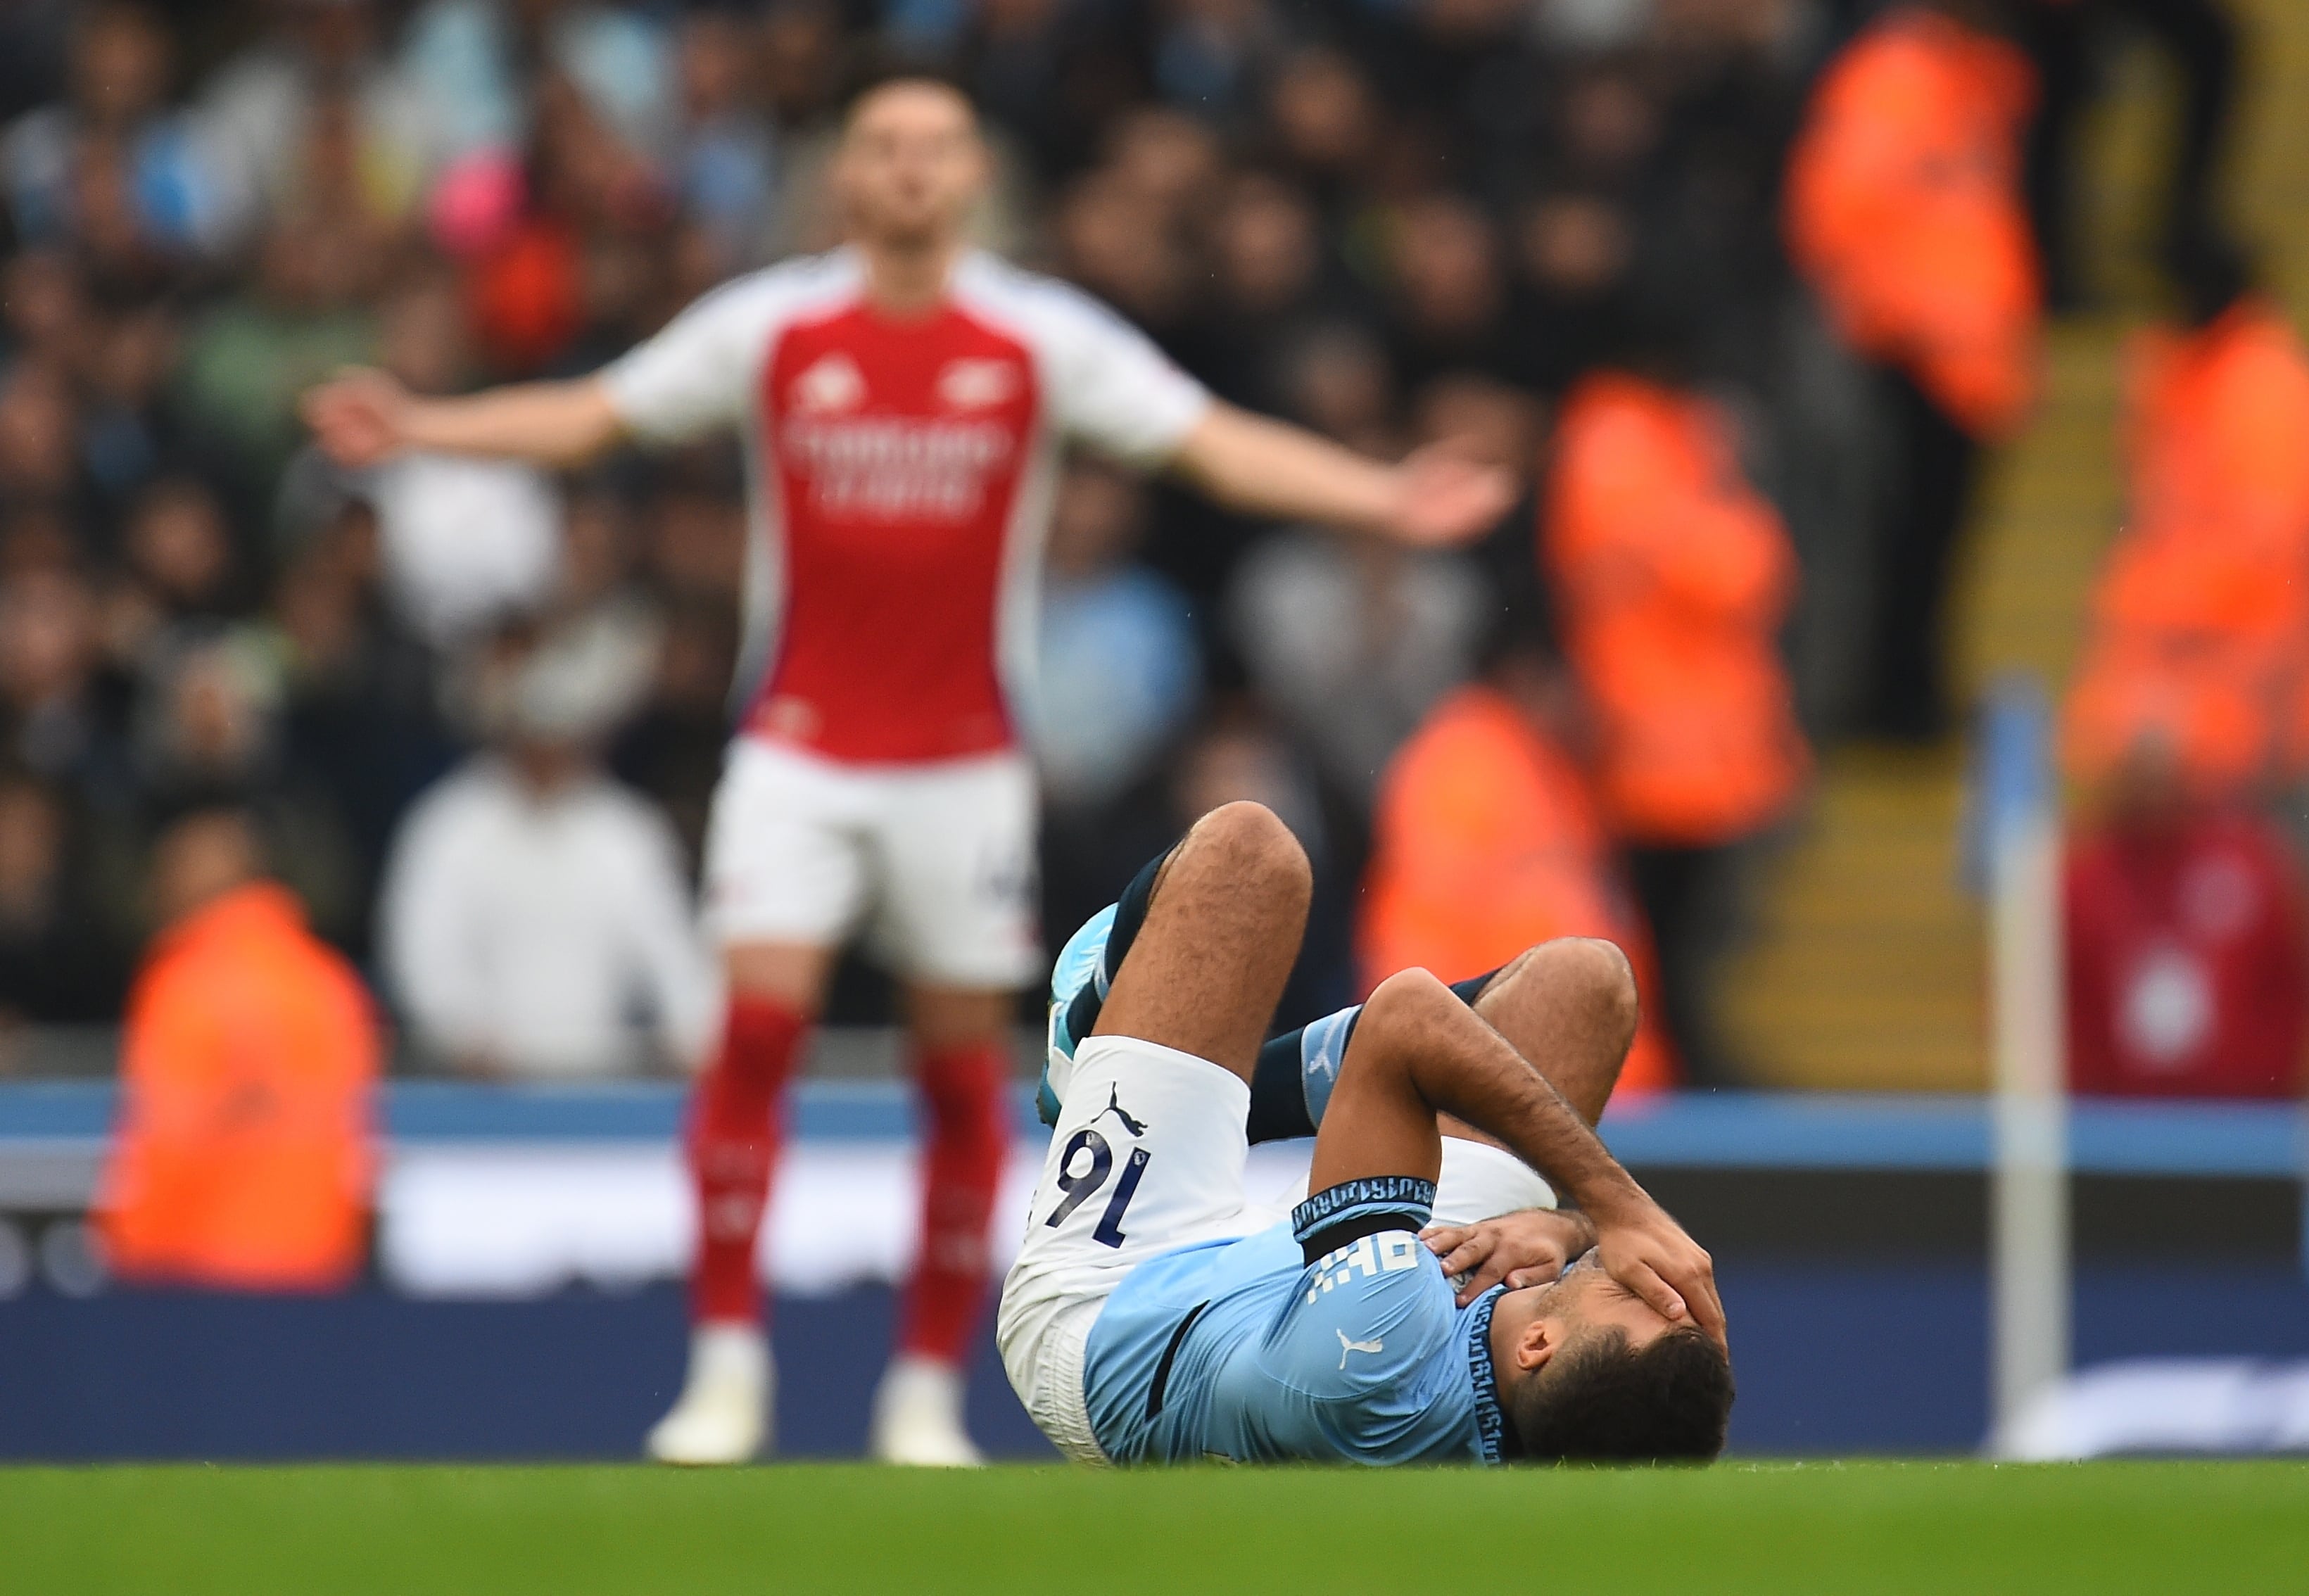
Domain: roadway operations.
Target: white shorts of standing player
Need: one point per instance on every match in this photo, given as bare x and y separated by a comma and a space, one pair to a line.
933, 864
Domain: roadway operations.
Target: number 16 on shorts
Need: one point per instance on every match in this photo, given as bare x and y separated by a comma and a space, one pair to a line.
1080, 1186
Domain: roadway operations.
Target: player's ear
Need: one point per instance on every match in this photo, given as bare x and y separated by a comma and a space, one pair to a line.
1539, 1341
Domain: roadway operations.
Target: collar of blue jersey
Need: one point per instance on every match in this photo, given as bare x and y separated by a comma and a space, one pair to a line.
1494, 1436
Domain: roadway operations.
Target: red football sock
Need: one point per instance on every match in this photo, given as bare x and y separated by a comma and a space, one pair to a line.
966, 1092
736, 1119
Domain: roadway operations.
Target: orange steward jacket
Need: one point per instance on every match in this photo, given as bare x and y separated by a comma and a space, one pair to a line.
1672, 576
1904, 212
243, 1158
1485, 840
2201, 619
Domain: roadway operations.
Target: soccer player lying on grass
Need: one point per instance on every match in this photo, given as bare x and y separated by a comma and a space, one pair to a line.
1149, 1318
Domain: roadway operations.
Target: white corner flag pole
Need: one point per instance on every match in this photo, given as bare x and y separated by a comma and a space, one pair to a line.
2029, 1275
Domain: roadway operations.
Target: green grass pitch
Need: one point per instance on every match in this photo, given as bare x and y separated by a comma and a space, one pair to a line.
1948, 1529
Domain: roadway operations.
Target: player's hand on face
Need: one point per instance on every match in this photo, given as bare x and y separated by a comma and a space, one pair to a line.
1446, 498
357, 417
1648, 1253
1529, 1248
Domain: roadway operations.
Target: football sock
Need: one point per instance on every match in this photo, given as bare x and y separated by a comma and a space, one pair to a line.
736, 1119
1278, 1093
1130, 914
966, 1099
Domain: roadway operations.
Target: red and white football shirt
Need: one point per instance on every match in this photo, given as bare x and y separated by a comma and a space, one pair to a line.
902, 474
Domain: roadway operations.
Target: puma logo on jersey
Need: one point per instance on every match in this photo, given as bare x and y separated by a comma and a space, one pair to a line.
829, 383
1346, 1346
976, 384
1137, 1127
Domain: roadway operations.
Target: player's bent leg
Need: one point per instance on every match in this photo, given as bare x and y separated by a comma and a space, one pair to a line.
961, 1048
1148, 1151
1222, 932
1417, 1056
732, 1143
1570, 1007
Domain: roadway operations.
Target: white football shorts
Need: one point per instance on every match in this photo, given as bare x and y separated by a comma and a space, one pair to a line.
934, 863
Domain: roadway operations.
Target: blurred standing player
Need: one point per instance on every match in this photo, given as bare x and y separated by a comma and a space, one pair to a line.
903, 402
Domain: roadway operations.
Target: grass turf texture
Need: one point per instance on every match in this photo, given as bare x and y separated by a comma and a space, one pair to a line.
1943, 1528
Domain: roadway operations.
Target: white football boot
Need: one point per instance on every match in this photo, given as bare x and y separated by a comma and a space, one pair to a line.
722, 1415
918, 1417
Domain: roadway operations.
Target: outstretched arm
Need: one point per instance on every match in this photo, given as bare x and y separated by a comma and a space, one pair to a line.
1419, 1052
365, 417
1263, 466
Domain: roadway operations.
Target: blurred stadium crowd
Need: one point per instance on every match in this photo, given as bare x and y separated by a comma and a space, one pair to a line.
1745, 286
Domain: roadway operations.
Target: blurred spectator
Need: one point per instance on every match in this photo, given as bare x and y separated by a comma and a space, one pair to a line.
56, 961
2201, 620
39, 465
111, 167
357, 712
1268, 279
472, 61
127, 433
1326, 121
2186, 959
1351, 641
59, 720
246, 361
179, 554
209, 720
47, 312
1120, 676
725, 164
535, 919
558, 278
242, 1157
1118, 662
1904, 212
1487, 840
1449, 303
2065, 36
317, 85
1573, 254
1672, 578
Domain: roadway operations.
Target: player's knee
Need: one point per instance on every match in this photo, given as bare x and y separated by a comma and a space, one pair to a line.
1406, 1001
1250, 844
1598, 977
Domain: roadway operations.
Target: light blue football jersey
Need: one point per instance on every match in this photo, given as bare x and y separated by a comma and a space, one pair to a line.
1242, 1350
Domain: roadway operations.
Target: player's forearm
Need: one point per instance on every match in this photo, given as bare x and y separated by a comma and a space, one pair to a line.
1459, 1067
1260, 467
549, 424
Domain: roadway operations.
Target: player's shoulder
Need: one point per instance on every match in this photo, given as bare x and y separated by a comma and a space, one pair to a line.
785, 289
1034, 302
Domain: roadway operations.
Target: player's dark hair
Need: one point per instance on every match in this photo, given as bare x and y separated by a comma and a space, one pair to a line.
881, 69
1669, 1402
